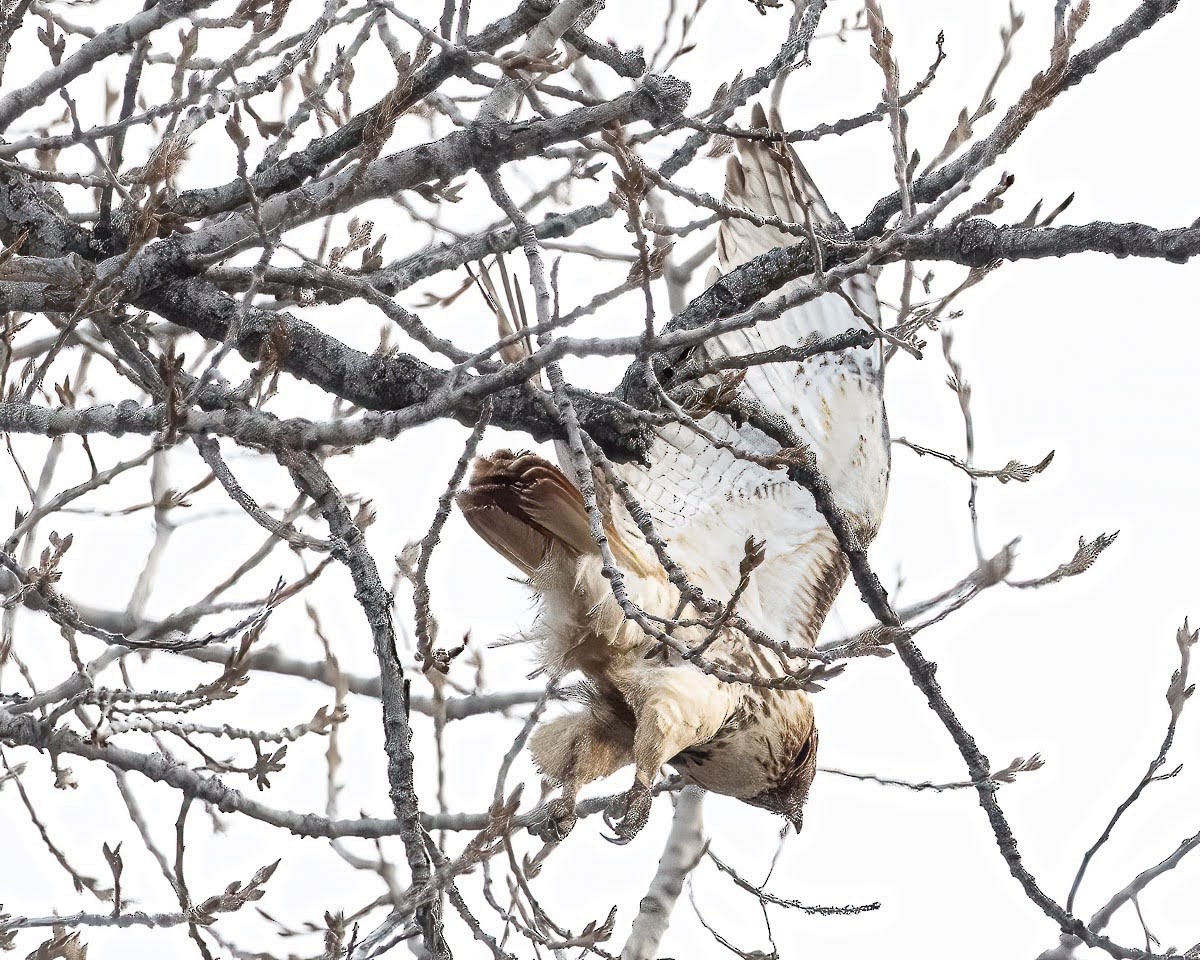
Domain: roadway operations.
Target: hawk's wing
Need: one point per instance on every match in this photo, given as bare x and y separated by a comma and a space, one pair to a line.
705, 500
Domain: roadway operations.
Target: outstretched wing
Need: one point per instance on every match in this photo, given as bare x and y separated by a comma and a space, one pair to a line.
704, 499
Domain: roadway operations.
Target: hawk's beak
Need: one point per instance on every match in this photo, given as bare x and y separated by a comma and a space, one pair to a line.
797, 821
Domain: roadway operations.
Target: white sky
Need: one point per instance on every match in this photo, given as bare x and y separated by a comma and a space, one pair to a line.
1091, 357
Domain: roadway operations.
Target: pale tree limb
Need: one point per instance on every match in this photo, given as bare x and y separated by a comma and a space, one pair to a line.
685, 846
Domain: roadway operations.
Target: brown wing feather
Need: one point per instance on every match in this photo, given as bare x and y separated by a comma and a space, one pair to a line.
521, 505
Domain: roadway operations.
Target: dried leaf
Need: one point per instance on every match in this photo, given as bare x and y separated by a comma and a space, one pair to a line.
1085, 556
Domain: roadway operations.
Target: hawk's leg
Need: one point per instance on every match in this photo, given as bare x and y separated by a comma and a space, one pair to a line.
673, 718
571, 751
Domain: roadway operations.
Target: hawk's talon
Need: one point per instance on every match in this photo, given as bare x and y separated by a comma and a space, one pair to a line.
616, 829
559, 821
633, 808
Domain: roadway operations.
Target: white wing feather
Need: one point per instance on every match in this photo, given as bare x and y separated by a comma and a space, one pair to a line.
705, 500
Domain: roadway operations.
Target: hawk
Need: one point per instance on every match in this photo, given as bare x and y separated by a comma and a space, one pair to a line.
649, 707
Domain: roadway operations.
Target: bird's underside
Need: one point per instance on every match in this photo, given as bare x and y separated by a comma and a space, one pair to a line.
643, 704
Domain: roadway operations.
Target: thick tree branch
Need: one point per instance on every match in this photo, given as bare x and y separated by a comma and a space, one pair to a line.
480, 147
977, 243
685, 847
114, 40
349, 546
293, 170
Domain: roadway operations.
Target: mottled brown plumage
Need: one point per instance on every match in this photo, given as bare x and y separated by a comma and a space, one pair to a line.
649, 707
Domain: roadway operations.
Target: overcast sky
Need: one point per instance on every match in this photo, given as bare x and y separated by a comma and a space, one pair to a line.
1092, 358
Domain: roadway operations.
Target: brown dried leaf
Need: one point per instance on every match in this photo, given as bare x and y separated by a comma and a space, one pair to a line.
718, 396
753, 556
1086, 554
1018, 765
62, 946
1022, 473
1179, 691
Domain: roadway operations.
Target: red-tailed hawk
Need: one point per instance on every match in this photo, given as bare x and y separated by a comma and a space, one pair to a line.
741, 740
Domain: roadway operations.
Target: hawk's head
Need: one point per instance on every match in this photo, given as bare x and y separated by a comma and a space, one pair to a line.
788, 796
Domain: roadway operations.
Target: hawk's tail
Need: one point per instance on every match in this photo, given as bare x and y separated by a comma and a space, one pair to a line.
524, 507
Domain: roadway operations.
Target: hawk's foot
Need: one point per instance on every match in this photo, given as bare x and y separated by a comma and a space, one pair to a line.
633, 809
559, 821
